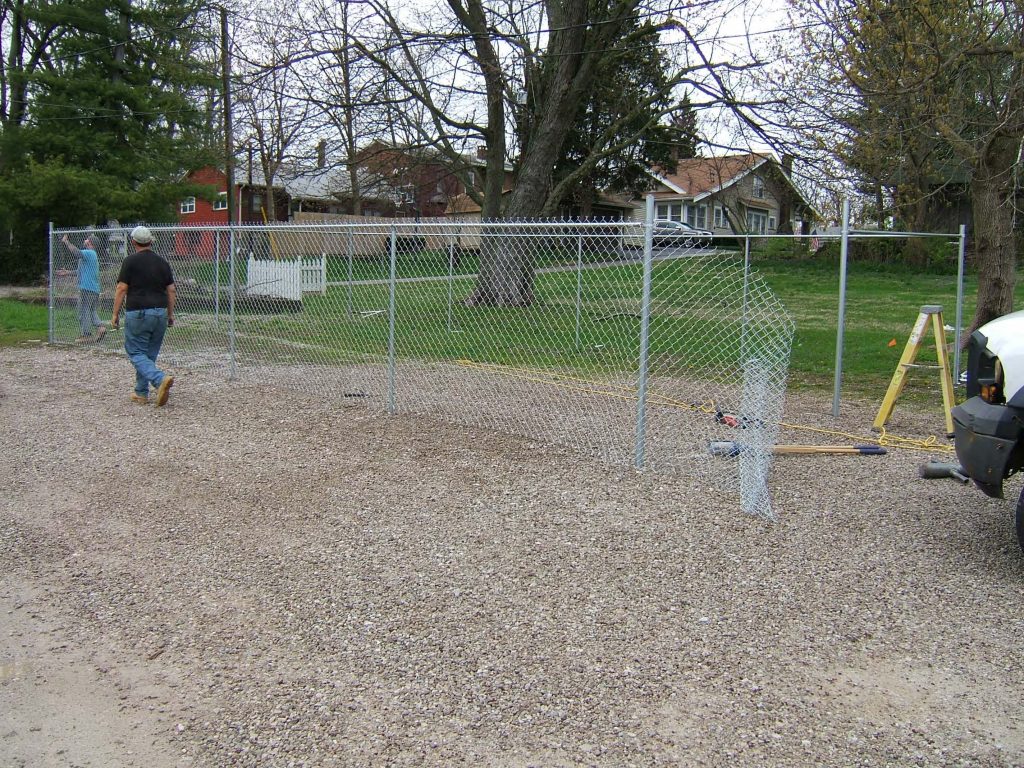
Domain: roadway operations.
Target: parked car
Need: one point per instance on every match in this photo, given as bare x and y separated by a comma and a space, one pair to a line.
668, 234
989, 426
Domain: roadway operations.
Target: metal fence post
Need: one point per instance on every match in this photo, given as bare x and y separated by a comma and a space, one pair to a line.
451, 277
755, 456
962, 251
391, 320
746, 297
645, 321
351, 253
843, 252
49, 284
579, 283
231, 299
216, 277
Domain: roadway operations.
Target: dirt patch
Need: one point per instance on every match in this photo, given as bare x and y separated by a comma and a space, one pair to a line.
65, 703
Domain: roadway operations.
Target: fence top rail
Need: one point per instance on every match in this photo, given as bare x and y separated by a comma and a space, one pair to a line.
436, 227
383, 225
867, 234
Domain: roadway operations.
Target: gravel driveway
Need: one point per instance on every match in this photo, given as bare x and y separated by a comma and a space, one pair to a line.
255, 577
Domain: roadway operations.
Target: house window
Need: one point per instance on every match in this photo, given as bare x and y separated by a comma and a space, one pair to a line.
702, 217
691, 215
188, 205
471, 179
670, 211
758, 188
721, 217
221, 202
771, 223
757, 221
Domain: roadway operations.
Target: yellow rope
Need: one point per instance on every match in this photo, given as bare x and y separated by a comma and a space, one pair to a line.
624, 392
884, 439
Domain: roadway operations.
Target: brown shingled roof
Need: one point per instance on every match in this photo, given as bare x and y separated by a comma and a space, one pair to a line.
700, 175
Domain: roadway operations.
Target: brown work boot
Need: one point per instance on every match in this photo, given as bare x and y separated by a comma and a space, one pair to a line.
139, 399
163, 390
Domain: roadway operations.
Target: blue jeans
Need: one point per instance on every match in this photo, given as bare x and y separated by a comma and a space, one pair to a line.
88, 318
144, 331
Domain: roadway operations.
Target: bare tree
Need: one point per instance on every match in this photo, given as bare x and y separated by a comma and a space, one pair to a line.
485, 57
275, 120
910, 94
350, 93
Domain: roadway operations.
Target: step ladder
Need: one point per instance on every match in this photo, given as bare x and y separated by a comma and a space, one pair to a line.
899, 378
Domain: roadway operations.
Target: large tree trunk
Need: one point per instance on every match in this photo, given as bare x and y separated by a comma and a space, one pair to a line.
506, 274
995, 242
269, 212
506, 265
506, 269
501, 278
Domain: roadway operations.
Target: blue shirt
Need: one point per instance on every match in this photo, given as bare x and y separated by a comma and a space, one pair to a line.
88, 271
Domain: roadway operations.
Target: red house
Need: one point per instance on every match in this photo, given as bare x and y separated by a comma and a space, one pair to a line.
196, 211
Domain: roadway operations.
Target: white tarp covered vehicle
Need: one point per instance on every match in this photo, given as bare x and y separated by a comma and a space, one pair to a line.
989, 426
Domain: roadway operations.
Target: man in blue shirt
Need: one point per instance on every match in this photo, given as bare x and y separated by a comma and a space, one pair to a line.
88, 291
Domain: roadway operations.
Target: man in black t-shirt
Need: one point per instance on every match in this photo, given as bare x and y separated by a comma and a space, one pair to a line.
145, 286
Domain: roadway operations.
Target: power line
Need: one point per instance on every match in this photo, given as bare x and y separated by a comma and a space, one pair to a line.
428, 38
153, 31
107, 113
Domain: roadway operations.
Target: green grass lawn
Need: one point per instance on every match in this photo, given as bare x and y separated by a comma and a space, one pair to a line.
882, 306
21, 321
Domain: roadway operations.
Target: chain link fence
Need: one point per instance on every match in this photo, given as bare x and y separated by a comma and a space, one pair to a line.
604, 337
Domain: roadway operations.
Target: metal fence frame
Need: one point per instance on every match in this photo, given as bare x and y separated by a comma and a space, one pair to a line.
844, 239
755, 368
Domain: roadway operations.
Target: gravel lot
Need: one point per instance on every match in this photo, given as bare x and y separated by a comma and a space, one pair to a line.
255, 577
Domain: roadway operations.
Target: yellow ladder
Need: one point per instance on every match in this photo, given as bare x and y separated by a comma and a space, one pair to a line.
899, 378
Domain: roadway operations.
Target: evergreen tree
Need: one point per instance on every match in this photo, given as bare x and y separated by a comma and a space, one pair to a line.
619, 134
106, 120
682, 131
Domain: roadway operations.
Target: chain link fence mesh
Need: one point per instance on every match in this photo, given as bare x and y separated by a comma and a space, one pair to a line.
532, 328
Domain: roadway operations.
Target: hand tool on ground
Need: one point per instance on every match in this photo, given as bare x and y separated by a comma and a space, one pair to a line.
732, 448
737, 420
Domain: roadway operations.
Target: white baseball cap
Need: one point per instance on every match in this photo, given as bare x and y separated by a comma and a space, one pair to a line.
142, 235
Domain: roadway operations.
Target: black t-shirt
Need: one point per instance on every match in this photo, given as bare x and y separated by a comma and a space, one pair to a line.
147, 276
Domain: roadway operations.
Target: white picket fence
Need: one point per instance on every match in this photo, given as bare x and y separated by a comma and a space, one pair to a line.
286, 278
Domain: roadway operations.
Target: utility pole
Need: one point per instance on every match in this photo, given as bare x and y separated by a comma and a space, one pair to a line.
19, 86
119, 49
229, 158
